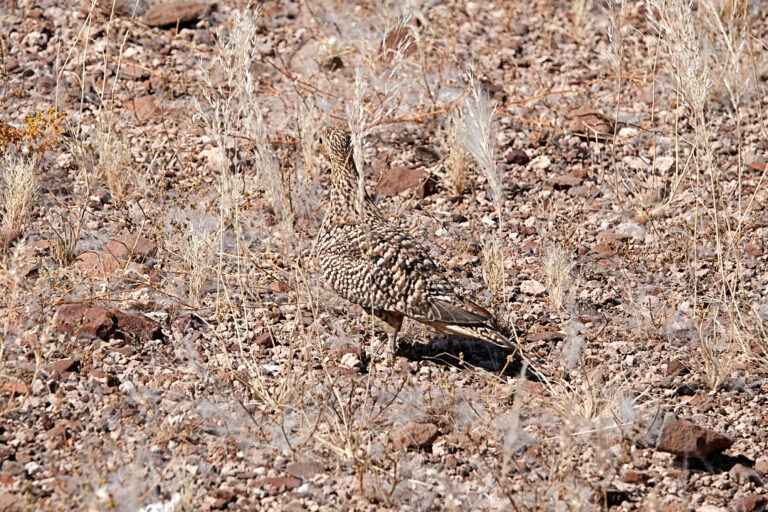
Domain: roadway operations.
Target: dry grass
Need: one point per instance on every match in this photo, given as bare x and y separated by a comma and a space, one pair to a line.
18, 193
458, 160
559, 280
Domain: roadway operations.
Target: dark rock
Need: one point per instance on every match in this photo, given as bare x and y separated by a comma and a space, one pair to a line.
518, 157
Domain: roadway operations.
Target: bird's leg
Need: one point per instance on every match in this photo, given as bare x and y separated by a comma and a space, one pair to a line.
393, 321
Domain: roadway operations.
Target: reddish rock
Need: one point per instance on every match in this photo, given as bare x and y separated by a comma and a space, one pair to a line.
686, 439
15, 387
173, 13
414, 436
400, 179
565, 181
8, 236
265, 340
589, 124
131, 247
105, 323
144, 107
753, 249
400, 38
105, 378
279, 484
632, 476
62, 366
94, 262
10, 502
304, 470
754, 503
279, 287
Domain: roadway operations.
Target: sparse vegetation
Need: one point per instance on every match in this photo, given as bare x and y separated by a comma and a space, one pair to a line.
217, 370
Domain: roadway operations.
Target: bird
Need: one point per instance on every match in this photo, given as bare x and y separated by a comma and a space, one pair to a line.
371, 261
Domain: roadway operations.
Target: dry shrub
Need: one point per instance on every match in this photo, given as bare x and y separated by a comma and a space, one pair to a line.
19, 190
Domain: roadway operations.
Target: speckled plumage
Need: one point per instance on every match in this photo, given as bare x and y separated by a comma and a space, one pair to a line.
372, 262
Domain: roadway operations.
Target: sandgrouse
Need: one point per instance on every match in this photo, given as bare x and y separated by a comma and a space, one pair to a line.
372, 262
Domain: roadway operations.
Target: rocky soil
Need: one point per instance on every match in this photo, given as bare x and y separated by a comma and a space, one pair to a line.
189, 355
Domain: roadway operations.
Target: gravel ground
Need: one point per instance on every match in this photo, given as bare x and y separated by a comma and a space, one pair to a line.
189, 355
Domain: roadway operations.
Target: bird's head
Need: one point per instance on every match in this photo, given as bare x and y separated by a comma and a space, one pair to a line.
335, 145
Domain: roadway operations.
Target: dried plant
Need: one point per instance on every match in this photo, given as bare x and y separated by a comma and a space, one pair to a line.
480, 141
19, 190
458, 160
115, 167
493, 265
64, 250
200, 258
560, 283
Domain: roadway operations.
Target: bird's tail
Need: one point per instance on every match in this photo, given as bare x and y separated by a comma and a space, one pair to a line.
482, 331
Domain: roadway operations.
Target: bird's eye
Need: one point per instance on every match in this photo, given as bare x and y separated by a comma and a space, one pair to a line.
319, 140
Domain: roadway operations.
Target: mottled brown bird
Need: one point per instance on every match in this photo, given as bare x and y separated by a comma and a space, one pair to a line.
370, 261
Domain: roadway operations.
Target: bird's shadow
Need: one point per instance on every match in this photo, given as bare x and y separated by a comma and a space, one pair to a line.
465, 353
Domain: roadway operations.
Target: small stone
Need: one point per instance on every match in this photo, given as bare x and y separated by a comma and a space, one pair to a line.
279, 287
131, 247
518, 157
279, 484
400, 39
15, 387
686, 439
541, 163
400, 179
144, 107
8, 236
304, 470
61, 366
565, 181
105, 378
743, 474
532, 287
414, 436
265, 340
99, 197
350, 360
753, 503
632, 476
174, 13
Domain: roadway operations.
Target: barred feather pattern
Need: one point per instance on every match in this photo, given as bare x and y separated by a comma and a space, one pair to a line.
372, 262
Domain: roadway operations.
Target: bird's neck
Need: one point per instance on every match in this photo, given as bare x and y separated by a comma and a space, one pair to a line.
345, 190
